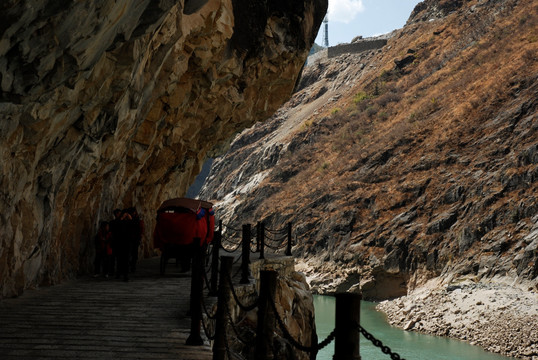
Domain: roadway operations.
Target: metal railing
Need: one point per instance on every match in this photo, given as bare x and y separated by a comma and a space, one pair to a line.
347, 315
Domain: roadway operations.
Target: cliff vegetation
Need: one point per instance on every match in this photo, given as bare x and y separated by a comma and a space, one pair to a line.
406, 163
411, 171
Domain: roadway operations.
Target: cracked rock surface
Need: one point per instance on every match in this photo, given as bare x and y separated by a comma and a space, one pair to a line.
110, 104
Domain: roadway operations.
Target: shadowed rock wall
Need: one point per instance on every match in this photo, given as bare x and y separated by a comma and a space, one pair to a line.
108, 104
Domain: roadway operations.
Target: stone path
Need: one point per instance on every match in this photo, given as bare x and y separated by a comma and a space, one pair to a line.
98, 318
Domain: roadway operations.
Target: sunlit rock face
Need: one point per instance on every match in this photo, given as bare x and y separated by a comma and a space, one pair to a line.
109, 104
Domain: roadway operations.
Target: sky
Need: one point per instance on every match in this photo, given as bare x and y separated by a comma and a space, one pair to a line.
350, 18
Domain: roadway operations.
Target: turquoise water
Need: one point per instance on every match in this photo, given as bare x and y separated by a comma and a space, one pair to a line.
409, 345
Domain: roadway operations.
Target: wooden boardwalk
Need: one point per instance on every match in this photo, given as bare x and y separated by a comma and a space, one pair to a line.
98, 318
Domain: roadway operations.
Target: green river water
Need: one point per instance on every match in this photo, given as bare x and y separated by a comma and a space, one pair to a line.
409, 345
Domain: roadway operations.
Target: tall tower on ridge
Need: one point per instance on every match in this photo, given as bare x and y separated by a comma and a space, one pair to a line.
326, 31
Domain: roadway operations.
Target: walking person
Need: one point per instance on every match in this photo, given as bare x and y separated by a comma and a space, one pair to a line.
101, 240
137, 228
123, 244
115, 229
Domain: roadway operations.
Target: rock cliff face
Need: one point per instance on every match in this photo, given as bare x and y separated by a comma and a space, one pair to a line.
110, 104
416, 161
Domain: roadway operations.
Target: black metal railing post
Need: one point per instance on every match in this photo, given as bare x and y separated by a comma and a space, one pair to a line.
196, 294
347, 320
266, 318
258, 228
245, 260
217, 239
219, 344
262, 240
288, 248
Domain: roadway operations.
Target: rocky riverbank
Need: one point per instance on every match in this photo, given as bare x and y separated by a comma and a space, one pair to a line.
496, 316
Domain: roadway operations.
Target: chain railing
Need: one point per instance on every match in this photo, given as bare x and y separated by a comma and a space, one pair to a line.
260, 238
347, 317
230, 246
242, 306
312, 349
376, 342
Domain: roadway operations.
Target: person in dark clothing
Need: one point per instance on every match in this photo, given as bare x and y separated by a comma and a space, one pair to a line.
137, 229
109, 257
102, 239
123, 244
115, 229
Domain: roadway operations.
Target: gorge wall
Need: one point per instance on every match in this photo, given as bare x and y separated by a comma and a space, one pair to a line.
399, 165
109, 104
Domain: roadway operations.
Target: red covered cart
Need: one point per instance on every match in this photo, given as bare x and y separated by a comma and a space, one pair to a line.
179, 221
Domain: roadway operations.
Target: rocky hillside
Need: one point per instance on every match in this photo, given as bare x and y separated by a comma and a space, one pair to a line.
416, 161
107, 104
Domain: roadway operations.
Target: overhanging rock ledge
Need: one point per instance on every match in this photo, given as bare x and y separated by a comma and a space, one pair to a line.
110, 104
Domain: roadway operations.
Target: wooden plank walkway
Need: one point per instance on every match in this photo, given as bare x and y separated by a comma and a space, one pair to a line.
98, 318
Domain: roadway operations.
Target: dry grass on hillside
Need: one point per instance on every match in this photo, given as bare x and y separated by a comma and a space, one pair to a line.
464, 68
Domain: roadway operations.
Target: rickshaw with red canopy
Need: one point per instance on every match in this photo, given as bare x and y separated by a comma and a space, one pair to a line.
179, 222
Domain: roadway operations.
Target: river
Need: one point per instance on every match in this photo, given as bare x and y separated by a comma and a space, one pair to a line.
409, 345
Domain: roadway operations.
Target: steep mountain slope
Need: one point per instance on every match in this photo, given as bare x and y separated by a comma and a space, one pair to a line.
415, 161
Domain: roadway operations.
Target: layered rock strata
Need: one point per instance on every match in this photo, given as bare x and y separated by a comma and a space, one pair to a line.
109, 104
414, 164
412, 172
399, 165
